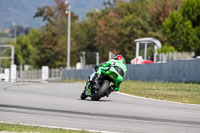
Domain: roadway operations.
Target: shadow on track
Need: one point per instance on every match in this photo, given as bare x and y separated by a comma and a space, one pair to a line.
95, 101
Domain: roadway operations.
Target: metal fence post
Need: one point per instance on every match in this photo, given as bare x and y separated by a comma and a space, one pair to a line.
97, 58
84, 60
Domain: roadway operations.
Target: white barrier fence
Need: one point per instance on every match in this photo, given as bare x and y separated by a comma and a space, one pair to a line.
44, 74
10, 74
163, 57
30, 75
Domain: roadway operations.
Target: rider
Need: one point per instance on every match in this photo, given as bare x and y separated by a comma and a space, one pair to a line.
117, 61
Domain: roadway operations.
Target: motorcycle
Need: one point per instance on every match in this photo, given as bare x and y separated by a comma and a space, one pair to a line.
105, 83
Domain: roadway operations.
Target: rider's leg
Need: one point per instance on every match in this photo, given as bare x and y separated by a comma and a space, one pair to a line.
117, 85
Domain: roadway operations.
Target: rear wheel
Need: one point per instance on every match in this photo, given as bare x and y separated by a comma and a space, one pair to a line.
101, 91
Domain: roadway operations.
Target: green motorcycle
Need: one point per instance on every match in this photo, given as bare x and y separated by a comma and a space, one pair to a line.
112, 74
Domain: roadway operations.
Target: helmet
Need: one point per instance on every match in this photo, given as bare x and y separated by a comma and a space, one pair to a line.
118, 57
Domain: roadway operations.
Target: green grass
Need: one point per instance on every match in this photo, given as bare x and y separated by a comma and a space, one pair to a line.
178, 92
34, 129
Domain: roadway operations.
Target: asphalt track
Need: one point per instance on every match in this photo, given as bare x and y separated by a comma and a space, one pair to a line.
59, 105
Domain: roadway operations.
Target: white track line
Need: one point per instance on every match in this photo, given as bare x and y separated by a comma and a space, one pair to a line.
57, 127
156, 99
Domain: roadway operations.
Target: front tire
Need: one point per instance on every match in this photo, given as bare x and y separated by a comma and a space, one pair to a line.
83, 95
101, 91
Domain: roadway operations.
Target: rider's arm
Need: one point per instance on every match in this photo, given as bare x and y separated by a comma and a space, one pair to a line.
108, 63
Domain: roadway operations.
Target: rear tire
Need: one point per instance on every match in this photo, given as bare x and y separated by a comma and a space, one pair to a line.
83, 95
101, 91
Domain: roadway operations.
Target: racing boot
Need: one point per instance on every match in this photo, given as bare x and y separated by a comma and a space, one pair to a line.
108, 92
111, 89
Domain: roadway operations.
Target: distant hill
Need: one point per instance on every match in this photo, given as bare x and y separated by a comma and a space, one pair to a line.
22, 11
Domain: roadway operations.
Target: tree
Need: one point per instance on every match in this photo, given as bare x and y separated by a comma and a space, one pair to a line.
53, 49
120, 23
107, 38
113, 28
26, 50
182, 28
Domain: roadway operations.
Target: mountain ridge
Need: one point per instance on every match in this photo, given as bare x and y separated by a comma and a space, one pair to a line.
22, 11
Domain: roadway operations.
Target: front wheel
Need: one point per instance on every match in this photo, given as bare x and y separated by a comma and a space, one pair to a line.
83, 95
101, 91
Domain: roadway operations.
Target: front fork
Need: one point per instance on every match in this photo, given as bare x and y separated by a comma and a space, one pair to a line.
88, 89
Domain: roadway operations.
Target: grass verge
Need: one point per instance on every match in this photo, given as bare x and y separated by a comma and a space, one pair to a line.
34, 129
177, 92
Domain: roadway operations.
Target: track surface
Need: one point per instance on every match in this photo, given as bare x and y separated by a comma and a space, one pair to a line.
58, 104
